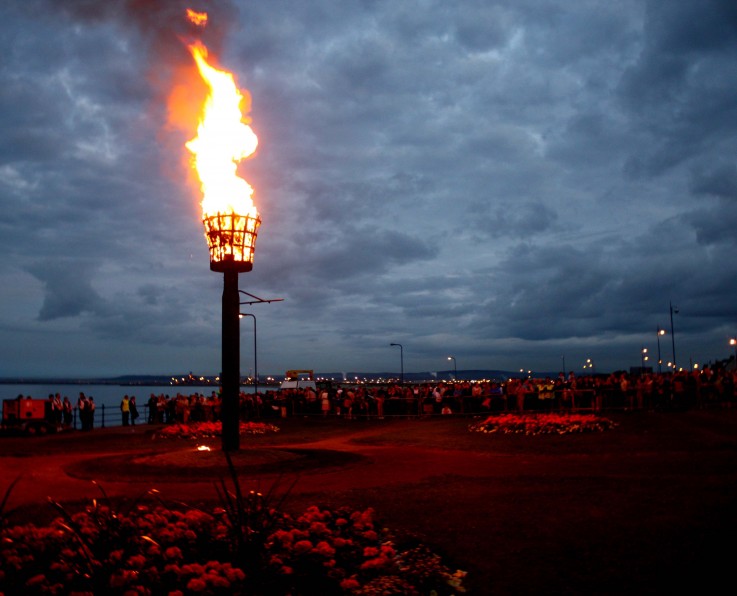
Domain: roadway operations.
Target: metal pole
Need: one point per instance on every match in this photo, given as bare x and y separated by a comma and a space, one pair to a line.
401, 362
255, 354
660, 360
231, 374
401, 365
673, 337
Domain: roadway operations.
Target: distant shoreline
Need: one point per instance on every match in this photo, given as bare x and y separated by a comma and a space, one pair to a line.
117, 382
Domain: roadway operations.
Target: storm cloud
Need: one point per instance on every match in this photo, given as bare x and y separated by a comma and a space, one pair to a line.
512, 183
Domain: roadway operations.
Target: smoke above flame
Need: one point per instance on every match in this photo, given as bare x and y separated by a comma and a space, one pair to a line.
224, 137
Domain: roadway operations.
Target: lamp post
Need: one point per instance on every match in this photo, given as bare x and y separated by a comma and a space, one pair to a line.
733, 342
660, 360
256, 300
401, 362
673, 335
643, 358
455, 368
255, 354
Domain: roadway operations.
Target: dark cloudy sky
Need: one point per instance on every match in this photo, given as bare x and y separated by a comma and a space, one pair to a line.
510, 182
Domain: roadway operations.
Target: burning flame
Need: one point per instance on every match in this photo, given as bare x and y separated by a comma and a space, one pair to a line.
198, 18
223, 139
203, 448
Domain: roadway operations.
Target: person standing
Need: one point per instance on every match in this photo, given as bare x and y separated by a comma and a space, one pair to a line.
125, 408
82, 410
57, 409
90, 412
133, 409
325, 402
67, 412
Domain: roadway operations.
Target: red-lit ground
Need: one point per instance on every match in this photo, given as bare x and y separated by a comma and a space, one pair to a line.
649, 507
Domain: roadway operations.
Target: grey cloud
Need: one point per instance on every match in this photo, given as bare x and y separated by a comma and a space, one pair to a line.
68, 291
719, 181
514, 220
506, 181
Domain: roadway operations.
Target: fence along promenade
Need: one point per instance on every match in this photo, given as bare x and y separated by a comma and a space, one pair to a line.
621, 392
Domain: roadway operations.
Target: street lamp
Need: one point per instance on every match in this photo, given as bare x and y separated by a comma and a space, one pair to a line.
255, 354
660, 360
455, 368
255, 300
643, 358
733, 342
401, 362
673, 334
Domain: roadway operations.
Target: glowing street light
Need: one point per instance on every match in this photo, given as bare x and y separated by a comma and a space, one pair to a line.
455, 368
643, 358
659, 332
733, 342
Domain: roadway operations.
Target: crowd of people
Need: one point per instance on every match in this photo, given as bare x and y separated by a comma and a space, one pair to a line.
60, 412
617, 391
708, 387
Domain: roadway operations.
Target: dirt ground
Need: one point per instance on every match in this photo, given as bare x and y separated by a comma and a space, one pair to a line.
649, 507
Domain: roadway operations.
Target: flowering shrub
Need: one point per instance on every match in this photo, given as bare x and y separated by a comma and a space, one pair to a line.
159, 550
344, 551
539, 424
203, 430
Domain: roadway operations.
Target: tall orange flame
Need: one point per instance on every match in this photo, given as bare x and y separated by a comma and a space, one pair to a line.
223, 139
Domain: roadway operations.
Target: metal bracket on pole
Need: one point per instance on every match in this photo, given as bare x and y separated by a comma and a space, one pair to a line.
257, 300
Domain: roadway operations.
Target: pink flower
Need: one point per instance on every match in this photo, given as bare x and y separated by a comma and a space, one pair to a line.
374, 563
173, 552
388, 551
370, 551
137, 561
196, 585
36, 580
319, 528
350, 584
234, 574
324, 549
303, 546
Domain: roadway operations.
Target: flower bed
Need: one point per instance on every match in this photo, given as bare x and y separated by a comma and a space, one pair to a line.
542, 424
203, 430
160, 550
